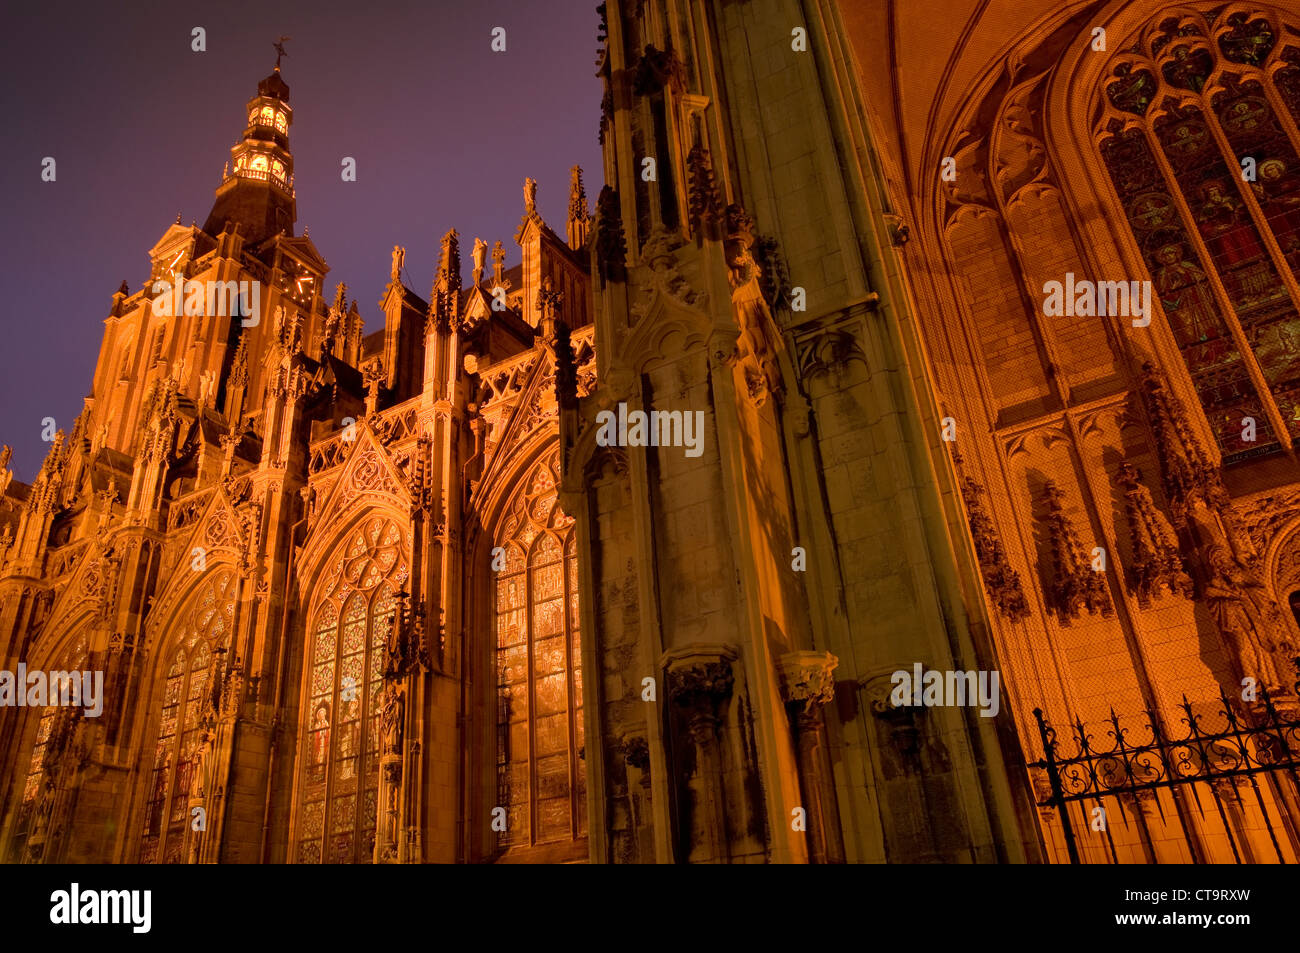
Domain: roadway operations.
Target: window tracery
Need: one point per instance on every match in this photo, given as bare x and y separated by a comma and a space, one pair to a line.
1199, 137
207, 630
53, 732
540, 775
350, 627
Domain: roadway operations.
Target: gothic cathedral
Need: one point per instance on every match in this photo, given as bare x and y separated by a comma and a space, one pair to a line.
621, 553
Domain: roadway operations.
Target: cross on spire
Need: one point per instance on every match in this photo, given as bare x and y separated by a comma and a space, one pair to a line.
280, 50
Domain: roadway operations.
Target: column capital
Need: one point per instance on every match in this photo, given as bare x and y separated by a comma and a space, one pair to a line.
806, 678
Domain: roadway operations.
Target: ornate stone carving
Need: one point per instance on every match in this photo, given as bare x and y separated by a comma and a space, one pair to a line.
1249, 620
611, 245
407, 649
700, 674
444, 299
566, 371
548, 307
1188, 477
1075, 584
372, 373
659, 255
826, 351
391, 718
757, 330
658, 70
704, 205
1226, 563
579, 217
1001, 582
806, 678
1157, 563
636, 751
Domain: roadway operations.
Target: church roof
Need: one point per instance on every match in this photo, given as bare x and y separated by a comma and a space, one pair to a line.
274, 85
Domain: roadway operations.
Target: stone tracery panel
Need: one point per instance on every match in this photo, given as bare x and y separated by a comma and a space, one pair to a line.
350, 625
207, 628
541, 779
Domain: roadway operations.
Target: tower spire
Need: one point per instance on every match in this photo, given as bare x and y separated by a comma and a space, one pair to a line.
257, 190
579, 217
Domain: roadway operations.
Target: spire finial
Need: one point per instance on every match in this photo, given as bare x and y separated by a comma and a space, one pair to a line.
280, 51
578, 214
498, 263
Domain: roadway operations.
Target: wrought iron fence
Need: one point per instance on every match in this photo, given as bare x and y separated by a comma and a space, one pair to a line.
1229, 782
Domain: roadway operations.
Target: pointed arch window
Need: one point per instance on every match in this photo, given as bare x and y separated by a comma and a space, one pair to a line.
1199, 134
53, 734
350, 625
207, 629
540, 774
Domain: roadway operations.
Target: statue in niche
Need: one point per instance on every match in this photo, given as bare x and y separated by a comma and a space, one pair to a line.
391, 717
1245, 615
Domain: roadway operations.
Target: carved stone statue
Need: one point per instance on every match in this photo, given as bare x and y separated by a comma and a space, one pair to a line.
391, 719
530, 195
1245, 615
399, 261
498, 264
480, 256
752, 313
201, 766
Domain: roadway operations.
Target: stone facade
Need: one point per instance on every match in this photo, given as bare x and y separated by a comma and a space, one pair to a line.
398, 597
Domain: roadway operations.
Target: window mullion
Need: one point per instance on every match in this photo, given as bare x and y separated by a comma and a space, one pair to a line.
1276, 103
1257, 216
566, 607
327, 815
531, 694
172, 767
1248, 359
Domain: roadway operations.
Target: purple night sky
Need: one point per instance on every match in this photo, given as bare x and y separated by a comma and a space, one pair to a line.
444, 132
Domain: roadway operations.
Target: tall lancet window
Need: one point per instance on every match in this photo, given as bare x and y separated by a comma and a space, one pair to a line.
207, 630
540, 776
1199, 133
338, 780
53, 734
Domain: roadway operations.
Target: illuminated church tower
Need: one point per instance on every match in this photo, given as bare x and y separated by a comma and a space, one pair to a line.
398, 596
258, 188
277, 535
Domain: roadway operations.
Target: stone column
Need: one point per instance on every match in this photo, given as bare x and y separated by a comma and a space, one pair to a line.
807, 685
700, 682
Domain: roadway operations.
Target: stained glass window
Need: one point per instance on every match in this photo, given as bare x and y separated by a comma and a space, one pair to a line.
339, 778
207, 627
52, 732
540, 776
1200, 139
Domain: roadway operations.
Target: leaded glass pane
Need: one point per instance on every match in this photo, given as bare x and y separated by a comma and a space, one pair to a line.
535, 616
343, 742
